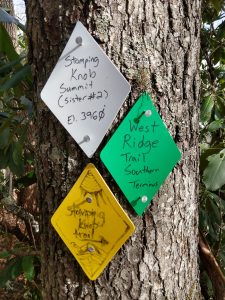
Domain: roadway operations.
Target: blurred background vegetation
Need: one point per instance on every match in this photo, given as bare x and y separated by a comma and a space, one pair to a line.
19, 240
212, 148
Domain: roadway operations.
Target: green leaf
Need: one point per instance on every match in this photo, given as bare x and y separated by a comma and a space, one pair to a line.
17, 167
215, 125
214, 212
6, 45
17, 153
203, 220
5, 254
4, 277
26, 180
28, 105
212, 231
221, 31
206, 108
208, 152
4, 137
16, 78
28, 267
214, 174
4, 159
16, 268
12, 270
218, 5
217, 199
219, 108
222, 256
7, 67
3, 117
217, 55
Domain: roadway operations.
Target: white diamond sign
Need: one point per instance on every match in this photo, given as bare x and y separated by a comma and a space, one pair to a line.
85, 90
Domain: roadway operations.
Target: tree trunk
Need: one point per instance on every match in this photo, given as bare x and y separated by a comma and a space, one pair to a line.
11, 28
155, 44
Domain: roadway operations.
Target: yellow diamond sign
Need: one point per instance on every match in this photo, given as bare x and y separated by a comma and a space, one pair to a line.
92, 223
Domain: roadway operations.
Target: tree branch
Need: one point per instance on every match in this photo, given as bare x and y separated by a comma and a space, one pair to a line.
212, 268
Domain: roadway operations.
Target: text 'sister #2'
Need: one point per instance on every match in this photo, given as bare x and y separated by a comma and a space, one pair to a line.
85, 90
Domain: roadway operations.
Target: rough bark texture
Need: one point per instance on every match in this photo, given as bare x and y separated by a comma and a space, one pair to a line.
156, 46
11, 28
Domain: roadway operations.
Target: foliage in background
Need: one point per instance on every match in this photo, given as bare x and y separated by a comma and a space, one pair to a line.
21, 261
16, 108
212, 124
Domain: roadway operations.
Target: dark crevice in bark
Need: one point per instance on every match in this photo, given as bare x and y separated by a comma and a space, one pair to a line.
158, 261
186, 9
127, 12
153, 8
86, 10
98, 40
144, 237
196, 91
154, 82
186, 65
95, 295
170, 16
177, 137
144, 23
121, 51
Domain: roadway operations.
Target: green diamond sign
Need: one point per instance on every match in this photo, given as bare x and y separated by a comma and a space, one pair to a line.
141, 154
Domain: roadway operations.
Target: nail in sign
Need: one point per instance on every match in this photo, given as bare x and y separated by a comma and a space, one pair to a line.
85, 90
91, 222
141, 154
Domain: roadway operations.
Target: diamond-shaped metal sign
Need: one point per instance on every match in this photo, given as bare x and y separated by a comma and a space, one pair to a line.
91, 222
85, 90
141, 154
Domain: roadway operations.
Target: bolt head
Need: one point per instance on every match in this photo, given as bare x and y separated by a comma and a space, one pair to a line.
90, 249
79, 40
148, 113
89, 200
144, 199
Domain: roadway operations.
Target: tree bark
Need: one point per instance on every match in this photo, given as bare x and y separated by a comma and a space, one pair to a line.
155, 44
